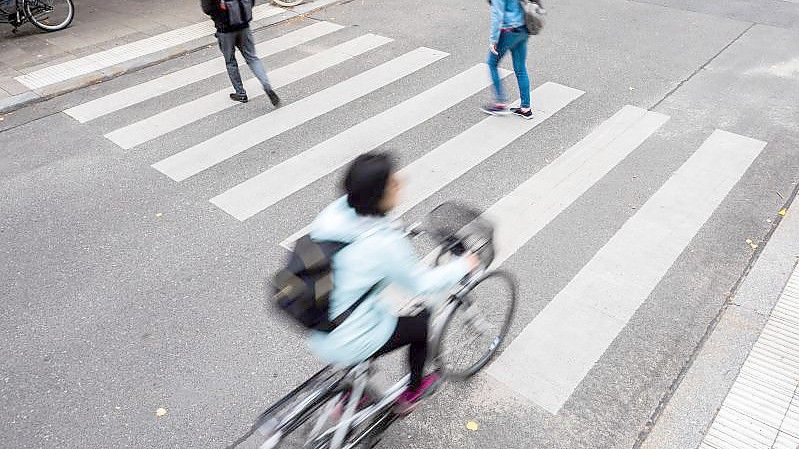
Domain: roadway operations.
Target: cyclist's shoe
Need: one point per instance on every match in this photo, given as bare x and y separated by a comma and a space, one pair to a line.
528, 114
495, 109
410, 399
273, 97
239, 97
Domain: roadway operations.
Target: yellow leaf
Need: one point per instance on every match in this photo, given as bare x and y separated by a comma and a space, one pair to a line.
471, 425
782, 212
160, 412
749, 241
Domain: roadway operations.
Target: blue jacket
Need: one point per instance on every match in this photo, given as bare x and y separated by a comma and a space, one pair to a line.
505, 14
377, 252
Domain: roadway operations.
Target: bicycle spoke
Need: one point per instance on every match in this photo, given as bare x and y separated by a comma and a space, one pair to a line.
49, 15
472, 334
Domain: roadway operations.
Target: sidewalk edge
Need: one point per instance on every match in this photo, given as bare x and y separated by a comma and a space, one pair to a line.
16, 102
682, 418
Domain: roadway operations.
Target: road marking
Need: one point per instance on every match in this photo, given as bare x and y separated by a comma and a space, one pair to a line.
553, 353
531, 206
141, 92
452, 159
232, 142
107, 58
187, 113
257, 193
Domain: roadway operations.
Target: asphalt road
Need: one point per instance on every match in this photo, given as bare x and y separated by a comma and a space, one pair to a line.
125, 291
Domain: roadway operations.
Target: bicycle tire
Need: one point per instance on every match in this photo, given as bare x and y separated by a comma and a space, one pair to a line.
473, 298
32, 13
287, 3
366, 435
275, 413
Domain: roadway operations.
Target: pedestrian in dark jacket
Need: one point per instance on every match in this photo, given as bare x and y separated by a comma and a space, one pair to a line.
239, 36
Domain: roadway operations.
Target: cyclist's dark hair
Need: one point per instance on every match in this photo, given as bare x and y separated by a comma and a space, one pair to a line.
365, 182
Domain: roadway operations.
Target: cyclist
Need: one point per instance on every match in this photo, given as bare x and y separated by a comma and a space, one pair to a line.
377, 254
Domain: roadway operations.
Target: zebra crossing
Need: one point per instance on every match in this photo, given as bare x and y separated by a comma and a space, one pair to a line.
552, 355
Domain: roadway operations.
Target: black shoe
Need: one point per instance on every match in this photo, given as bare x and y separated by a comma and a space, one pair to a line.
239, 97
523, 114
273, 97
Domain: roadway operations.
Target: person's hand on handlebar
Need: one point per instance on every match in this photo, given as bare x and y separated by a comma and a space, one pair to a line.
473, 261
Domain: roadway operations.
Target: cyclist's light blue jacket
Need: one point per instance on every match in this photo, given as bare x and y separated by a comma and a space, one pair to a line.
377, 252
505, 14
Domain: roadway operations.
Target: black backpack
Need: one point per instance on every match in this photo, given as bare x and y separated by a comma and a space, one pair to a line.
302, 289
239, 12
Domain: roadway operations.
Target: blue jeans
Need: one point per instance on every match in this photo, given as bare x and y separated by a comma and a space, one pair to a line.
243, 40
516, 42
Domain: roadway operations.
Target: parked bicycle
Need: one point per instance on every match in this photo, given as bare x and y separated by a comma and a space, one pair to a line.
341, 408
47, 15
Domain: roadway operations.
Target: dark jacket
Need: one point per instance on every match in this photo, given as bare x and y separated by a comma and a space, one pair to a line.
220, 17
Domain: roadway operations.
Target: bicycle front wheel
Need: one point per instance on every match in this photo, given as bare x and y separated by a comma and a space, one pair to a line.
50, 15
474, 331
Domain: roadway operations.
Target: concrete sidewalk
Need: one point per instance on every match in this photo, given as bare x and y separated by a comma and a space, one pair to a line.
108, 38
713, 387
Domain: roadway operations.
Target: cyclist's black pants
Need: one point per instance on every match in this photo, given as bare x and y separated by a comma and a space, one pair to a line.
411, 330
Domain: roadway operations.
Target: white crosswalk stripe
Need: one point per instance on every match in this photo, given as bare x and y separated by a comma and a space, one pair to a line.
187, 113
532, 205
271, 186
97, 61
191, 161
151, 89
552, 355
436, 169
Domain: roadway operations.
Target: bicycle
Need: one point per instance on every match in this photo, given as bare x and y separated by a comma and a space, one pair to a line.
339, 408
47, 15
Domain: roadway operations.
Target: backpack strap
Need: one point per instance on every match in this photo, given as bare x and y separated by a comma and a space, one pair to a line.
334, 323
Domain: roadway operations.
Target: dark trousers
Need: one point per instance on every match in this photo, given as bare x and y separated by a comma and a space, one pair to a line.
411, 331
243, 40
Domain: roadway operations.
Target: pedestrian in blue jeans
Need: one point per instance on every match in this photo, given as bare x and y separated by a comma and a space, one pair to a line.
508, 33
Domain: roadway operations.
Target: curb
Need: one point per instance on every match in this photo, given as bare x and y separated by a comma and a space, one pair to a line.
690, 406
16, 102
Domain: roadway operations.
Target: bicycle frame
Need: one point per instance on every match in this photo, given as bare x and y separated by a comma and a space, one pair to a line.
15, 17
357, 378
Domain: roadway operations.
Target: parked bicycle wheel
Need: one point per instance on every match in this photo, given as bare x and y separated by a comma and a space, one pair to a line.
287, 3
50, 15
475, 330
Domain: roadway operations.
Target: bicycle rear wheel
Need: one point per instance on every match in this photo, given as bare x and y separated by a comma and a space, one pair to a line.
278, 425
475, 330
50, 15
